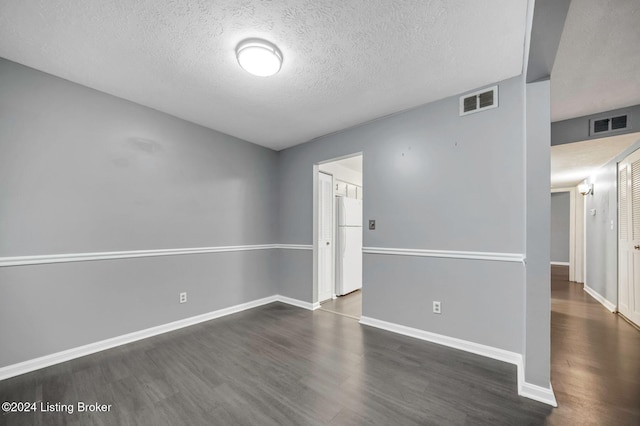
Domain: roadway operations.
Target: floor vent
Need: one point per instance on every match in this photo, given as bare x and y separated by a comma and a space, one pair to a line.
608, 124
479, 101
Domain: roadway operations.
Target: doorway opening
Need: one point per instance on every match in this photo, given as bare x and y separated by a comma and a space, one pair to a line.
338, 221
563, 230
583, 291
599, 173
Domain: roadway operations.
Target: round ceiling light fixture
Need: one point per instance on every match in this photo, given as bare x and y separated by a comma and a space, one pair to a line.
259, 57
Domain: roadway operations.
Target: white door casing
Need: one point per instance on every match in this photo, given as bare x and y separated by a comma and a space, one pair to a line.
629, 237
325, 237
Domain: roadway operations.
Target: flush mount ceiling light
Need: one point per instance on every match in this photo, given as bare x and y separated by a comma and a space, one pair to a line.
259, 57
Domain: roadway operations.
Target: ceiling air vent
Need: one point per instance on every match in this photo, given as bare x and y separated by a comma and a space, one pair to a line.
479, 101
618, 123
470, 104
600, 126
608, 124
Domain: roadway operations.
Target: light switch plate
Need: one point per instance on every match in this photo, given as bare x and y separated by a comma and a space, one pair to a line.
372, 225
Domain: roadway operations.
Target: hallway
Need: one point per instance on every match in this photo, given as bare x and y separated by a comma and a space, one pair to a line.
595, 359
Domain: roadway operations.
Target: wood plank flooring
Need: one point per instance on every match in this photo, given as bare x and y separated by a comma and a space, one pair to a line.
595, 359
281, 365
349, 305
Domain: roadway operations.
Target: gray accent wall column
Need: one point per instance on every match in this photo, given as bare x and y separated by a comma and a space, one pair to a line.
538, 204
549, 17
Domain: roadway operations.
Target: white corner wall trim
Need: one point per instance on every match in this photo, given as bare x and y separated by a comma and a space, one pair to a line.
475, 255
524, 389
110, 255
610, 306
559, 263
452, 342
538, 393
299, 303
56, 358
80, 351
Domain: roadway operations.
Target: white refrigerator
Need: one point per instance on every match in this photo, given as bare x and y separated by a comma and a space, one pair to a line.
348, 245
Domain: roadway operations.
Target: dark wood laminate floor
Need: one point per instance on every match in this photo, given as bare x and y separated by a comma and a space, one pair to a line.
279, 365
349, 305
595, 359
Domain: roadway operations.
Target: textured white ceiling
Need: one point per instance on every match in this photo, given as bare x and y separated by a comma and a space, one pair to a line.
351, 163
345, 62
571, 163
597, 66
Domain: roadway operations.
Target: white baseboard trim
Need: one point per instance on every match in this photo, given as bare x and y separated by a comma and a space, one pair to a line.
296, 302
80, 351
538, 393
610, 306
452, 342
474, 255
67, 355
524, 389
560, 263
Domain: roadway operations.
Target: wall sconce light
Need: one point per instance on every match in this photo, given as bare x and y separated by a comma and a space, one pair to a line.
585, 188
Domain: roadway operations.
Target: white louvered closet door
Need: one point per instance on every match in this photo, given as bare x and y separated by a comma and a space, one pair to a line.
629, 237
325, 237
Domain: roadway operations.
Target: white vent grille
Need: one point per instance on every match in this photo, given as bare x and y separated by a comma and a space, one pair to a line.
624, 215
479, 101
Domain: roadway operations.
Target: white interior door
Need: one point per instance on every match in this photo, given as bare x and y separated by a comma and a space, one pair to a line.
325, 237
629, 237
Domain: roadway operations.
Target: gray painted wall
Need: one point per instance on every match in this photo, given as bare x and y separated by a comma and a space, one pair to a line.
538, 229
601, 241
434, 181
85, 171
295, 277
560, 224
481, 301
50, 308
82, 171
434, 176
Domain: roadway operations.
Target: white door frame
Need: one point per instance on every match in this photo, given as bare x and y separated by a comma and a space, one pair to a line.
316, 237
580, 235
315, 206
572, 229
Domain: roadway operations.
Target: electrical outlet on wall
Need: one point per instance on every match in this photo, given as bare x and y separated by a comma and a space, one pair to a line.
437, 308
183, 297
